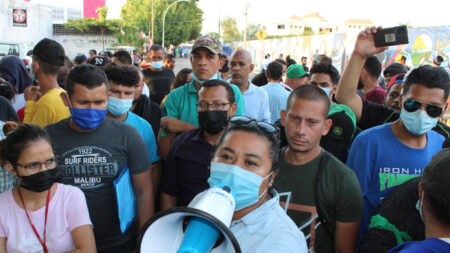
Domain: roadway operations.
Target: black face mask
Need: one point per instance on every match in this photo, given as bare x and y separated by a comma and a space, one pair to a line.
40, 181
213, 121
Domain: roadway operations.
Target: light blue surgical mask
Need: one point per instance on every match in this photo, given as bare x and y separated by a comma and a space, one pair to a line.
118, 107
326, 90
157, 64
417, 122
243, 183
214, 77
419, 207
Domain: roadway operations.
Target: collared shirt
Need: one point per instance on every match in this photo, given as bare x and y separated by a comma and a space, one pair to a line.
268, 229
186, 170
257, 103
7, 180
277, 99
181, 103
286, 87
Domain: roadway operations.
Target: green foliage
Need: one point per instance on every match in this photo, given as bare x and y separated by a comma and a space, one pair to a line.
213, 34
87, 24
183, 20
230, 32
252, 29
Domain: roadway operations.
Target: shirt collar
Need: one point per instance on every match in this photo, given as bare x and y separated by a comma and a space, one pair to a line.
191, 87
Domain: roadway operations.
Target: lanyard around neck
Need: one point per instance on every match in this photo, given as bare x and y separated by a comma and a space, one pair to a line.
42, 241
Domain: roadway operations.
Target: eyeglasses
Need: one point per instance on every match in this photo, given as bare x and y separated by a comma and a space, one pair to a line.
261, 125
216, 106
36, 166
412, 105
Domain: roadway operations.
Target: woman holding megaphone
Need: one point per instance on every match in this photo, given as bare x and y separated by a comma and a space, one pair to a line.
246, 159
39, 214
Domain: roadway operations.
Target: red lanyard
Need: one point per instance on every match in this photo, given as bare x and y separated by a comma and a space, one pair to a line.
44, 246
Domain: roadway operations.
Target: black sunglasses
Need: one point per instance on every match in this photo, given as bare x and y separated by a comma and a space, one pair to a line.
261, 125
412, 105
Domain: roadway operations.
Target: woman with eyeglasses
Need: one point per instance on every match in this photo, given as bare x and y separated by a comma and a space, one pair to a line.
246, 160
39, 214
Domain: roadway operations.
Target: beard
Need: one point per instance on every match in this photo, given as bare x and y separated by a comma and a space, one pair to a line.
360, 84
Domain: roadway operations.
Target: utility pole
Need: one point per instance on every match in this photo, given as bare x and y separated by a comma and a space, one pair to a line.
153, 10
219, 19
245, 27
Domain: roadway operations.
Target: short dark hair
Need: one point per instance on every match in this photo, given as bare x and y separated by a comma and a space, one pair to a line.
217, 83
403, 58
428, 76
283, 62
6, 89
156, 47
19, 139
373, 66
273, 139
326, 68
309, 92
304, 57
275, 70
169, 57
47, 68
87, 75
125, 75
123, 56
93, 50
290, 61
435, 185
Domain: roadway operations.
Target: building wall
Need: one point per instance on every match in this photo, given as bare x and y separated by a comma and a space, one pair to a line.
75, 44
39, 22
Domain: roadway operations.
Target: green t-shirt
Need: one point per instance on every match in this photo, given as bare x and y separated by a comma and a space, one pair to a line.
341, 198
181, 103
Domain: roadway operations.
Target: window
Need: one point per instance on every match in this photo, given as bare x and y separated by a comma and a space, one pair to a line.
280, 27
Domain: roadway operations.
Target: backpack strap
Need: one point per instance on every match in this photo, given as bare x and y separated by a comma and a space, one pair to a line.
321, 216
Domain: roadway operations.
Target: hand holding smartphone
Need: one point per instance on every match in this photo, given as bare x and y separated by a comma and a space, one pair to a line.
391, 36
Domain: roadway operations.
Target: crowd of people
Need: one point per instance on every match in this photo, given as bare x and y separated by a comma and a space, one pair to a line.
318, 160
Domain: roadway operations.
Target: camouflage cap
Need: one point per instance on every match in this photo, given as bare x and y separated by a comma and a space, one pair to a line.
208, 42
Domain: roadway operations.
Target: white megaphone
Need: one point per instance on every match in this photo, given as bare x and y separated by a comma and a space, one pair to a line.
201, 227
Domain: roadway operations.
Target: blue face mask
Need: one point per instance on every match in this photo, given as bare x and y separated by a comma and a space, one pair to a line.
214, 77
87, 119
118, 107
243, 183
417, 122
326, 90
157, 64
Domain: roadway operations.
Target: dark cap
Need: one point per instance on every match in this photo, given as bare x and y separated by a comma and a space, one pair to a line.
99, 61
49, 51
340, 136
438, 60
394, 69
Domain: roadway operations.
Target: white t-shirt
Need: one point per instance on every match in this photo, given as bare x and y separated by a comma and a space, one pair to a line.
67, 210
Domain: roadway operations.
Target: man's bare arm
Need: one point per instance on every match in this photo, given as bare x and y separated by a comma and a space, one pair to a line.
143, 188
345, 237
167, 201
348, 84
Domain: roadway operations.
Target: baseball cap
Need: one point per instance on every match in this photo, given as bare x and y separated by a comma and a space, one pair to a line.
394, 69
49, 51
342, 130
210, 43
99, 61
438, 60
396, 79
295, 71
80, 58
227, 50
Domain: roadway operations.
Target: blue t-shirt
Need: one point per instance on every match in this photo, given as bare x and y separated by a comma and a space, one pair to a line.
145, 130
382, 162
430, 245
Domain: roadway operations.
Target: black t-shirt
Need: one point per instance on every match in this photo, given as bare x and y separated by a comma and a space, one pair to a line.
92, 161
7, 112
374, 115
159, 83
150, 111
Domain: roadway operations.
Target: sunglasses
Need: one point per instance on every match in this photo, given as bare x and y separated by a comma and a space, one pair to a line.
412, 105
261, 125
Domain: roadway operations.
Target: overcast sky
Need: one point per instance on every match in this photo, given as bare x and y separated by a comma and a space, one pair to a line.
381, 12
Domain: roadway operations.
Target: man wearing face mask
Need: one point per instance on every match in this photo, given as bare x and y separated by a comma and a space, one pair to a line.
181, 104
390, 154
44, 105
122, 86
187, 168
106, 159
158, 77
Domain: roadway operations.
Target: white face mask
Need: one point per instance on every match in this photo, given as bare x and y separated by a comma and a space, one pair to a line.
419, 205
